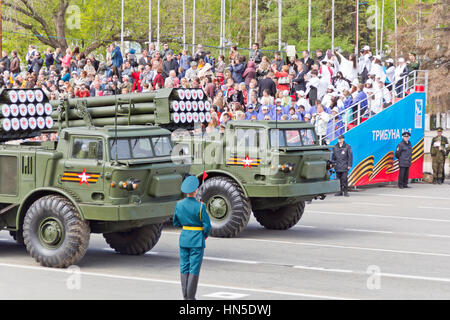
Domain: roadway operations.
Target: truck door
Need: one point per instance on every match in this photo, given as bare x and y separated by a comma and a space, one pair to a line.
246, 153
83, 170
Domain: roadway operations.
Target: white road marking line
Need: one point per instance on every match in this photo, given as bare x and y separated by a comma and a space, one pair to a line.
391, 275
374, 204
381, 274
303, 226
339, 246
437, 236
410, 196
324, 269
395, 275
226, 295
206, 285
377, 216
434, 208
230, 260
369, 231
349, 247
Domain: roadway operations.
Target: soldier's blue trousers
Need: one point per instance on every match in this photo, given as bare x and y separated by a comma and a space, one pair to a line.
191, 260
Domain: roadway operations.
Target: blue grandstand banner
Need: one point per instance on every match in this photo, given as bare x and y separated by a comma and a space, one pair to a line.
374, 142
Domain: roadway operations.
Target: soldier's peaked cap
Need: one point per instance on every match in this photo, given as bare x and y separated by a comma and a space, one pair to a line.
406, 133
189, 185
440, 129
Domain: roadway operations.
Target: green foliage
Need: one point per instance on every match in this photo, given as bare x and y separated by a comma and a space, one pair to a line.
100, 23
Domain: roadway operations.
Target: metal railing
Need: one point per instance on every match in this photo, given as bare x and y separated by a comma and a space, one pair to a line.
398, 90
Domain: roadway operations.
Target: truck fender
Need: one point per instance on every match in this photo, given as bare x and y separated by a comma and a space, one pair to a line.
39, 193
219, 173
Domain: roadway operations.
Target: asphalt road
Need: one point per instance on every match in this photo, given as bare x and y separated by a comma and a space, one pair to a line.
380, 243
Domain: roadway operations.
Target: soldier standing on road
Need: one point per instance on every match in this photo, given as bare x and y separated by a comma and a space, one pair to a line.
404, 156
342, 160
191, 215
439, 149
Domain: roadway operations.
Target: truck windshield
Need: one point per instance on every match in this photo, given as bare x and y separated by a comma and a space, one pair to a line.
140, 148
292, 137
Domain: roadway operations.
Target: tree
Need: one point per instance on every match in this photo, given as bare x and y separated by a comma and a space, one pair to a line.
429, 38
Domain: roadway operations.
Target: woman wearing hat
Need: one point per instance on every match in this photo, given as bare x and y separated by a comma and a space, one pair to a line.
191, 215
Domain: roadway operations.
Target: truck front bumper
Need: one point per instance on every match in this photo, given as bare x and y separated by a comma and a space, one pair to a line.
153, 212
292, 189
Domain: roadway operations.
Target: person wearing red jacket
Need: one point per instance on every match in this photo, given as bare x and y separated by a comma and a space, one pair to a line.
159, 79
137, 79
82, 92
282, 76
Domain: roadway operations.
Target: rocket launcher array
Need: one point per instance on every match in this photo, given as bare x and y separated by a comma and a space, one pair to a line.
24, 113
177, 108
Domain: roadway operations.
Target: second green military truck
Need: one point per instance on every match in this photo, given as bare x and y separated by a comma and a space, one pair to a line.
95, 178
269, 168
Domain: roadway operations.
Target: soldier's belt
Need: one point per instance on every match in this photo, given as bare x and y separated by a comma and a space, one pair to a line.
193, 228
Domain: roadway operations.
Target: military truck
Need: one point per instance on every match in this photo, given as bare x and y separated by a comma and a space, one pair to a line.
269, 168
98, 177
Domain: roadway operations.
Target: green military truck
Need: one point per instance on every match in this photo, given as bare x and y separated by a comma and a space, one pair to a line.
118, 180
269, 168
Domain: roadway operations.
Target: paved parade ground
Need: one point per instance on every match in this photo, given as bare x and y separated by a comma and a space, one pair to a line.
381, 243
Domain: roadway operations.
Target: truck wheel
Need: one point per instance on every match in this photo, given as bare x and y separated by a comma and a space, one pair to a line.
18, 236
227, 206
54, 232
282, 218
136, 241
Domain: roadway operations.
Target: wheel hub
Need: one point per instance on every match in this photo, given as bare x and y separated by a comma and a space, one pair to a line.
51, 232
218, 207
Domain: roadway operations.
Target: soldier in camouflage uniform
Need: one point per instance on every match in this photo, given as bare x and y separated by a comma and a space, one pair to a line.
439, 149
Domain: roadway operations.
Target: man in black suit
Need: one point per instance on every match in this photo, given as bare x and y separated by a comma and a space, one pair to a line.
269, 84
299, 79
307, 61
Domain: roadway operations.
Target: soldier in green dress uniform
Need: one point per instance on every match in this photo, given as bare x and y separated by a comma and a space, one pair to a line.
439, 150
413, 65
191, 215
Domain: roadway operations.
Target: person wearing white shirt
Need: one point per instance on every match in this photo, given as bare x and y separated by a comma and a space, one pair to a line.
377, 69
341, 83
323, 86
399, 77
320, 121
382, 98
390, 73
326, 101
302, 101
349, 68
364, 64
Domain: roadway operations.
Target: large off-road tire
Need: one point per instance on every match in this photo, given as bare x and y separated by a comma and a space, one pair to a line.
136, 241
227, 206
282, 218
54, 232
18, 236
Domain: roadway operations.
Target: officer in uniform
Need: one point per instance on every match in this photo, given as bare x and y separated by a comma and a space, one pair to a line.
404, 156
191, 215
342, 160
439, 149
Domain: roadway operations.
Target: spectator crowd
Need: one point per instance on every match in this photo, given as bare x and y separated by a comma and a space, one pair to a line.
328, 89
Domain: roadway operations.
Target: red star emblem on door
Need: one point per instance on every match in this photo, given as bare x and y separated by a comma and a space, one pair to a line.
84, 177
247, 162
